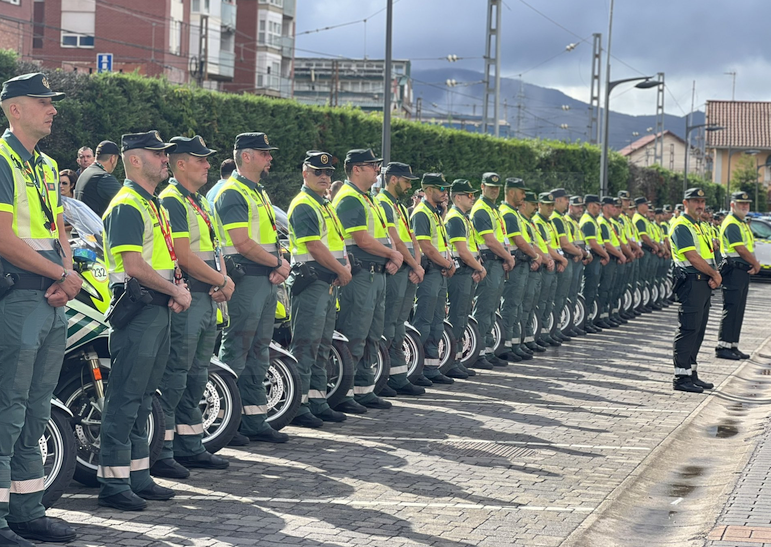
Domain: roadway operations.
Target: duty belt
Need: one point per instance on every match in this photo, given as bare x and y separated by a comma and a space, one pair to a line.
31, 282
489, 255
158, 298
372, 266
197, 286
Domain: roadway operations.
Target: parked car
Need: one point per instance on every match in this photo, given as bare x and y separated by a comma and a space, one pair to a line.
761, 229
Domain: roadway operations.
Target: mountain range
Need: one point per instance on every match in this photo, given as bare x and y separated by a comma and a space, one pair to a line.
531, 110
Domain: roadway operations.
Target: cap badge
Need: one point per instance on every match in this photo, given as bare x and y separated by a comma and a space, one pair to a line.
200, 141
701, 192
494, 178
551, 196
324, 159
266, 139
44, 81
157, 135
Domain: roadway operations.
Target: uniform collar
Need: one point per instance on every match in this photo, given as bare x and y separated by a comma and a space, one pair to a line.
313, 194
459, 210
744, 221
389, 195
489, 202
138, 189
352, 185
248, 182
435, 209
17, 147
181, 189
690, 219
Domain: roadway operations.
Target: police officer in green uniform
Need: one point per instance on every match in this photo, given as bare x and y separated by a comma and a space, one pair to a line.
519, 241
319, 266
400, 287
469, 270
194, 331
622, 270
535, 277
628, 211
549, 286
572, 254
695, 277
737, 247
593, 270
362, 301
36, 256
248, 231
649, 247
606, 292
138, 248
490, 236
572, 216
438, 265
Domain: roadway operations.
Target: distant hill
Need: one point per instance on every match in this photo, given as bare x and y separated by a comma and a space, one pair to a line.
541, 111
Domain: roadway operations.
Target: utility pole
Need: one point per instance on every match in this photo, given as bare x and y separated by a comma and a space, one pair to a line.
658, 145
492, 62
604, 183
594, 98
419, 109
203, 49
386, 145
732, 74
335, 82
520, 105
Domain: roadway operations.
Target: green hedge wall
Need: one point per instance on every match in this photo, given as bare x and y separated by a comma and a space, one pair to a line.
105, 106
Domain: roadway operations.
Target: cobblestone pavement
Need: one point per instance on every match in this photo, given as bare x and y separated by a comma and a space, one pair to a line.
515, 456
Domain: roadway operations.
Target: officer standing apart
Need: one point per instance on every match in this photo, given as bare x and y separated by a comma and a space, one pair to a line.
438, 265
490, 235
96, 185
737, 245
470, 271
695, 277
138, 248
194, 331
593, 270
248, 225
35, 254
400, 287
362, 301
514, 287
319, 266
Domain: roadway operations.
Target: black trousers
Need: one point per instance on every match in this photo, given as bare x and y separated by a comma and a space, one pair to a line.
694, 295
736, 284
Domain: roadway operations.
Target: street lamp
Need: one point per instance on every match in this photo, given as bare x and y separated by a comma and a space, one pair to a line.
688, 129
646, 83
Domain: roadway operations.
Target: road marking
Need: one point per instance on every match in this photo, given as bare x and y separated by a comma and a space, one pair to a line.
678, 500
555, 406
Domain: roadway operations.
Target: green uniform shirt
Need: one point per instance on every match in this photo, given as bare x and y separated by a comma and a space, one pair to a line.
589, 229
483, 224
733, 234
456, 229
124, 225
232, 209
682, 238
177, 213
305, 223
352, 214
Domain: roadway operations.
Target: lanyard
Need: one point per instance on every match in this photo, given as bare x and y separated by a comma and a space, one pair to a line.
166, 231
403, 217
376, 212
42, 194
334, 218
697, 228
269, 210
440, 228
206, 219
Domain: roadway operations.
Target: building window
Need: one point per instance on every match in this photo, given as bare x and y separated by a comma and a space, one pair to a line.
195, 6
14, 2
278, 3
38, 25
269, 30
78, 23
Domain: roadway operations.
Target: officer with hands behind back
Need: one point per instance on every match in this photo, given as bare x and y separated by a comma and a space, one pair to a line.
36, 280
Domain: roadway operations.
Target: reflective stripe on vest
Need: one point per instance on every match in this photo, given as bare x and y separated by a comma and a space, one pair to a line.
329, 227
551, 235
748, 240
701, 242
613, 237
565, 223
154, 249
495, 219
200, 239
438, 234
259, 226
375, 221
401, 221
598, 235
470, 235
506, 209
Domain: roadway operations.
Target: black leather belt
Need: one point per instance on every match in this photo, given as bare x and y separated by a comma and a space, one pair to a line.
256, 269
372, 267
31, 282
489, 255
158, 298
326, 277
197, 286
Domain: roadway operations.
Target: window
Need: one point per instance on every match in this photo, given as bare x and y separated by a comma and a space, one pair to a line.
14, 2
269, 30
78, 23
38, 26
278, 3
760, 229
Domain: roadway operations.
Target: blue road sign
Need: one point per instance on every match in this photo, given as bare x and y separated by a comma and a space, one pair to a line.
104, 62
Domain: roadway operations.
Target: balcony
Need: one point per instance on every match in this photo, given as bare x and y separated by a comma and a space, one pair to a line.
285, 88
229, 16
290, 7
287, 47
227, 64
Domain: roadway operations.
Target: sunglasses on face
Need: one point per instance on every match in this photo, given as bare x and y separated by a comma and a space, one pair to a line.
321, 172
440, 188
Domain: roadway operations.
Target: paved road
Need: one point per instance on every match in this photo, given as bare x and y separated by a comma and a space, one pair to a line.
533, 454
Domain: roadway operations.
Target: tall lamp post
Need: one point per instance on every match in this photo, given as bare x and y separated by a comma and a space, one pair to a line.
688, 129
646, 83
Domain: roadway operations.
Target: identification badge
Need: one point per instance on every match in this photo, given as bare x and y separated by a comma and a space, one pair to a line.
218, 258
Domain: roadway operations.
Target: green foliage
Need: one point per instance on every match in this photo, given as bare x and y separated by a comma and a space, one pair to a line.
105, 106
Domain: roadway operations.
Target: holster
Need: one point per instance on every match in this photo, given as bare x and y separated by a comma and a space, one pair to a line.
520, 256
128, 305
235, 270
302, 277
6, 282
355, 264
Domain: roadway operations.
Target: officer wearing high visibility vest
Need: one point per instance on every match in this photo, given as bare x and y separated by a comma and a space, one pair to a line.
737, 247
609, 234
519, 241
400, 287
490, 236
535, 278
362, 301
633, 237
650, 248
438, 264
695, 277
138, 247
250, 245
572, 254
593, 270
470, 271
36, 280
572, 217
319, 266
549, 286
193, 332
666, 230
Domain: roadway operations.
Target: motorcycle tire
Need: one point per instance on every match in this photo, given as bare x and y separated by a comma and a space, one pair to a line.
282, 388
533, 325
565, 320
340, 373
594, 312
627, 300
498, 341
637, 297
579, 312
220, 410
87, 422
646, 296
57, 447
447, 348
382, 368
471, 344
414, 354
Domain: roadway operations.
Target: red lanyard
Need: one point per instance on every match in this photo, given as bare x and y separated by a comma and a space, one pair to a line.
440, 229
376, 212
165, 230
403, 218
43, 195
334, 218
206, 219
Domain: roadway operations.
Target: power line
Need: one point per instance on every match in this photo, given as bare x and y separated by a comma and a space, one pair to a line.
332, 27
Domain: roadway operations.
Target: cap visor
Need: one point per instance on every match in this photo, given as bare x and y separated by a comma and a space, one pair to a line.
205, 154
165, 146
53, 95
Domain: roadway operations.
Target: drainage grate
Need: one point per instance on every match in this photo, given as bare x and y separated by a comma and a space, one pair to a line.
473, 449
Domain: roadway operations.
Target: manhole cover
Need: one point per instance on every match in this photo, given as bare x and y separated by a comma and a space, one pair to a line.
472, 449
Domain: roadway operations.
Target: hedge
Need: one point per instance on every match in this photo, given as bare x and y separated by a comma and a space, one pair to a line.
105, 106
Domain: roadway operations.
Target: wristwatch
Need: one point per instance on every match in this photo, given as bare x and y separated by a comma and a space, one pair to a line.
65, 273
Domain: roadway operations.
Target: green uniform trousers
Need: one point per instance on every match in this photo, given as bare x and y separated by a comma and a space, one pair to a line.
546, 298
361, 318
511, 306
694, 295
313, 323
429, 317
592, 272
488, 298
138, 353
246, 346
634, 278
532, 292
393, 328
193, 336
31, 353
736, 284
564, 281
575, 284
460, 293
607, 284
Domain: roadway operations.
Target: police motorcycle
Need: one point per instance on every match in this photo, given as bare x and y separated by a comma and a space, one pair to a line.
85, 373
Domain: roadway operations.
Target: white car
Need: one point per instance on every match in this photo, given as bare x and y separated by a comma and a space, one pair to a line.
761, 229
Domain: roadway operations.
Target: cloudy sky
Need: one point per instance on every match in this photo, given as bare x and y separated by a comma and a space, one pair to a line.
685, 39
